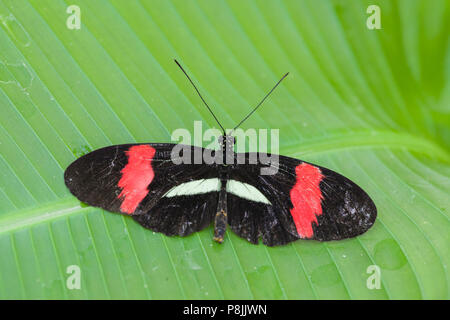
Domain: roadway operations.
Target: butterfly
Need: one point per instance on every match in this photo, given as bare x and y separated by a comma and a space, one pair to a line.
275, 202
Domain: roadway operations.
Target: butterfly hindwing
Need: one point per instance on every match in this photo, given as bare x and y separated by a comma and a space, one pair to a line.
181, 216
253, 220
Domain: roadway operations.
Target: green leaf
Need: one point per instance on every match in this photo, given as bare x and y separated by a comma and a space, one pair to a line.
373, 105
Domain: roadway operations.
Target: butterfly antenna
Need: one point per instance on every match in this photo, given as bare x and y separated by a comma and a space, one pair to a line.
198, 92
259, 104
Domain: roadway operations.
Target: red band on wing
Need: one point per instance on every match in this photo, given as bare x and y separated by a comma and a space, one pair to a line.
306, 198
136, 176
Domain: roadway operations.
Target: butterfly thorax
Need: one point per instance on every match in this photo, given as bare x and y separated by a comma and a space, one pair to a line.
226, 145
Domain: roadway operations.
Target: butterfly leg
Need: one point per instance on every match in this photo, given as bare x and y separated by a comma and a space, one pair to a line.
220, 222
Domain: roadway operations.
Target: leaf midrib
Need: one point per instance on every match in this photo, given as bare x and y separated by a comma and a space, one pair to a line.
369, 140
356, 140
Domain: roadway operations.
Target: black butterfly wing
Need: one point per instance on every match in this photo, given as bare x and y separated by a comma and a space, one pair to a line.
253, 220
133, 179
306, 202
182, 217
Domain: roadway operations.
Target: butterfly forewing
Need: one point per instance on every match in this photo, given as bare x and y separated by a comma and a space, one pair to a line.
132, 178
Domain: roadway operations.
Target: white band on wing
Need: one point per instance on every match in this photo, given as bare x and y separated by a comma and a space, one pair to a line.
240, 189
194, 187
246, 191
